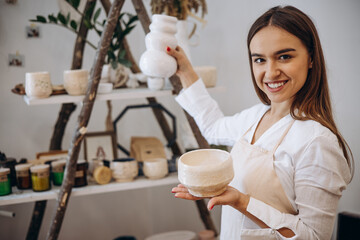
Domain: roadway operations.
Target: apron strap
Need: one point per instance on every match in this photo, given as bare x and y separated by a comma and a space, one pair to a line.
283, 136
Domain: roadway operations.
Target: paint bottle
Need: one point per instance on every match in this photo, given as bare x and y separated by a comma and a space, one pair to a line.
23, 179
81, 173
57, 170
5, 184
40, 177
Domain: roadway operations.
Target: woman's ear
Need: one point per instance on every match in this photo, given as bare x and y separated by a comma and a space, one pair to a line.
310, 63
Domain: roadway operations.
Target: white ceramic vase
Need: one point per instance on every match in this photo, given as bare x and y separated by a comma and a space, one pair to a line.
182, 37
155, 62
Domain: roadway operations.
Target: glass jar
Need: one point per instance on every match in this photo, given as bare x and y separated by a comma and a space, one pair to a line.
5, 184
23, 179
57, 170
40, 177
81, 173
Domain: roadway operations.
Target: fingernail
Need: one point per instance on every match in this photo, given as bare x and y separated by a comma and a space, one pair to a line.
168, 49
211, 207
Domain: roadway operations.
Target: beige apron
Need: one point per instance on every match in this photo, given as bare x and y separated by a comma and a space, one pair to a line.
254, 175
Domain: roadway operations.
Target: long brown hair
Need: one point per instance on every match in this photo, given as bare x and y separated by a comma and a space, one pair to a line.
312, 101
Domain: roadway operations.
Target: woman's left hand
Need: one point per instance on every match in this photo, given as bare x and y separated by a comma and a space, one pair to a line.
231, 197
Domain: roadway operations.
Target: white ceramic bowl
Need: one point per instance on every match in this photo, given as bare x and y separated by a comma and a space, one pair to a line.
155, 168
124, 170
206, 172
105, 88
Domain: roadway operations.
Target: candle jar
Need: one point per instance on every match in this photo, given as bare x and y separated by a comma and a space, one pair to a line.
57, 170
5, 185
40, 177
23, 179
81, 173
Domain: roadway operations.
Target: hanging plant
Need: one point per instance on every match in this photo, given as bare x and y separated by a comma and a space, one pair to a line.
180, 9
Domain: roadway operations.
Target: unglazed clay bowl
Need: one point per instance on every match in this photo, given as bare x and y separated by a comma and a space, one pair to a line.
124, 169
155, 168
206, 172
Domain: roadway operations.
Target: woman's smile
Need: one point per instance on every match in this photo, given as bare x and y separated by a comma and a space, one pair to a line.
276, 86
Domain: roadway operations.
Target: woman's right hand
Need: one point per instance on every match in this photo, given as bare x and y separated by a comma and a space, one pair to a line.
185, 70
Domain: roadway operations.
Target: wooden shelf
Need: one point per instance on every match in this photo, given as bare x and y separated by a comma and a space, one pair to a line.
116, 94
24, 196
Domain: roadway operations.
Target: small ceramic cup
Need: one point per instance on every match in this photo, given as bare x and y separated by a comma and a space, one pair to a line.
38, 84
76, 81
155, 168
124, 169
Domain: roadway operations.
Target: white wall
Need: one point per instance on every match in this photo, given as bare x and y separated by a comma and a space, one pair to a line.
26, 130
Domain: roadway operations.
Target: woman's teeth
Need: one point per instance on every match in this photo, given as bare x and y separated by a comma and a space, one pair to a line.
275, 85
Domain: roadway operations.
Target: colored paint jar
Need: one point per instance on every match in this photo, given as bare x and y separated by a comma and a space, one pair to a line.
81, 173
23, 179
5, 184
57, 170
40, 177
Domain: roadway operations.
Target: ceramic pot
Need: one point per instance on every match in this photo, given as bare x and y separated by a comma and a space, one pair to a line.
206, 172
38, 85
155, 62
124, 169
76, 81
155, 168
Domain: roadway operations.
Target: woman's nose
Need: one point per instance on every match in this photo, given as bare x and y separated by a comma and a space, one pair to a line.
272, 71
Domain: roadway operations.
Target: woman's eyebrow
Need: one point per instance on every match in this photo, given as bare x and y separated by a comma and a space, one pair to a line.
285, 50
276, 53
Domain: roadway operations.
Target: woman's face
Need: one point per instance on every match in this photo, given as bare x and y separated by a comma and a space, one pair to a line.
280, 63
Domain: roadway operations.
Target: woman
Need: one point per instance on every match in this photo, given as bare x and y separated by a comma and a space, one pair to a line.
291, 163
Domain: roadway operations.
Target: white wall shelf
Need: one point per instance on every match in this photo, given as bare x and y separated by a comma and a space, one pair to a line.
24, 196
116, 94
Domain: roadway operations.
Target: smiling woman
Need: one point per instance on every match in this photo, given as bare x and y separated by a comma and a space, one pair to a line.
291, 164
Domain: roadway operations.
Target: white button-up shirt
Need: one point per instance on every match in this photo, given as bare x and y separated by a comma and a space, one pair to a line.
309, 163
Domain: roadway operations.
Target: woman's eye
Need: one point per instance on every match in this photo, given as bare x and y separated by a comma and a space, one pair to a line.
285, 57
259, 60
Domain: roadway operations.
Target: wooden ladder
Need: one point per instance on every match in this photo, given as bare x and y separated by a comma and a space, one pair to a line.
83, 119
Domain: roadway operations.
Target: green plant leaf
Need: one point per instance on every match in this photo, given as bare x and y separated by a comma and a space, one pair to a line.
40, 19
98, 32
125, 62
132, 19
88, 24
122, 54
73, 24
127, 30
61, 18
52, 18
67, 18
114, 64
97, 14
74, 3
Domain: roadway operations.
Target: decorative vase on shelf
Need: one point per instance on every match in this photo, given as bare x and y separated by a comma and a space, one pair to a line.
155, 62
